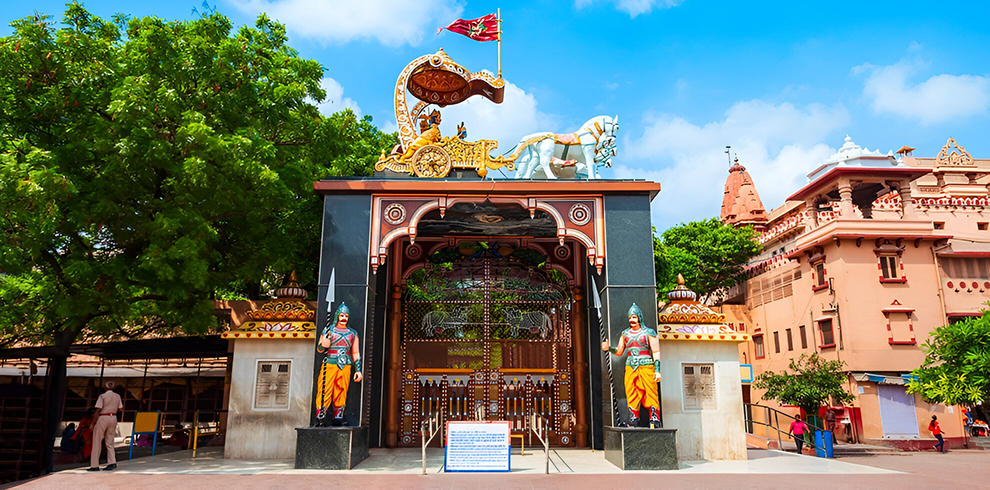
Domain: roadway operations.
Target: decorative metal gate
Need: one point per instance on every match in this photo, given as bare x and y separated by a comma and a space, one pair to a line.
486, 339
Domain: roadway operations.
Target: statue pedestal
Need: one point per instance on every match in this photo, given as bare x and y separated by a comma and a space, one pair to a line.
633, 448
330, 448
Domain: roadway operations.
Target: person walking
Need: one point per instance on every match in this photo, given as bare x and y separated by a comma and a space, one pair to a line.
798, 430
937, 432
107, 405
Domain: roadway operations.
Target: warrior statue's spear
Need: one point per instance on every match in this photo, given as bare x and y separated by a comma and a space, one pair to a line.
331, 296
597, 303
320, 413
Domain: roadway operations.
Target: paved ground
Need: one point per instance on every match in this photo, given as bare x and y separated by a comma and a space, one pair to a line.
962, 468
572, 469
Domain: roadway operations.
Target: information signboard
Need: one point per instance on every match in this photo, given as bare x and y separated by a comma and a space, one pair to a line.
477, 446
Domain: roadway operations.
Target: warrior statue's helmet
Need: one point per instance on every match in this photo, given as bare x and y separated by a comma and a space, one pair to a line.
635, 311
342, 309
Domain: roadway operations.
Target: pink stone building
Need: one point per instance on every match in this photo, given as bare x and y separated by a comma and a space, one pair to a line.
860, 265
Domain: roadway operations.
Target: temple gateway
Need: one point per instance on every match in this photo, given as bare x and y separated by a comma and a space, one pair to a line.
448, 296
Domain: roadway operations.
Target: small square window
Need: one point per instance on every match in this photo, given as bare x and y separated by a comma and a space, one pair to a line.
699, 387
888, 266
271, 385
939, 225
981, 226
819, 272
828, 338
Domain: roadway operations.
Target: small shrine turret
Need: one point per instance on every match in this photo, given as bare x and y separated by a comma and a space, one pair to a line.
686, 318
288, 316
701, 389
271, 376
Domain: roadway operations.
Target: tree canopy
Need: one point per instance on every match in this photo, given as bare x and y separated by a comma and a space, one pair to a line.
148, 166
810, 384
956, 370
710, 255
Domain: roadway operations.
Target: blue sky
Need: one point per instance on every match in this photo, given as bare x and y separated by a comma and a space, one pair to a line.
781, 82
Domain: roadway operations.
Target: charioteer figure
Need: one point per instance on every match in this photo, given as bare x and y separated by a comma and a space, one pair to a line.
642, 367
340, 343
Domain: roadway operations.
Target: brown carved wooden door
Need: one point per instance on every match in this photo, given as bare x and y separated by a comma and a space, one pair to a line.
486, 339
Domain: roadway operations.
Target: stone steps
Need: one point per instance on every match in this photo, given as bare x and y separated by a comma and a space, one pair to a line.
863, 449
842, 449
983, 442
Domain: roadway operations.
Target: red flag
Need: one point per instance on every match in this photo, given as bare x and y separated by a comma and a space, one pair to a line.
480, 29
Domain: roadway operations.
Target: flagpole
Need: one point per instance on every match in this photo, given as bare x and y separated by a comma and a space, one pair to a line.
499, 24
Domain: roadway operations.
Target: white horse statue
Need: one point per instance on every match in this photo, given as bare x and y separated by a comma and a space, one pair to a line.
573, 155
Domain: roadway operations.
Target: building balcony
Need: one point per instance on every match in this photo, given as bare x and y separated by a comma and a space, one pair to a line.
860, 229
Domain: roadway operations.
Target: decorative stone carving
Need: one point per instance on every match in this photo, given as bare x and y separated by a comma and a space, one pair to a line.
395, 214
579, 214
953, 155
414, 251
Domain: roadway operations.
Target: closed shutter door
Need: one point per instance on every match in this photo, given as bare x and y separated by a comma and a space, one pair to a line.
897, 412
272, 385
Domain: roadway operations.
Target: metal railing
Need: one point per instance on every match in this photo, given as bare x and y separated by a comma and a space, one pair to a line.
771, 422
431, 426
539, 425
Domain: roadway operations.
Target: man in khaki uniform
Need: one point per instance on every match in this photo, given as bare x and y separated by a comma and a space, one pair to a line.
107, 406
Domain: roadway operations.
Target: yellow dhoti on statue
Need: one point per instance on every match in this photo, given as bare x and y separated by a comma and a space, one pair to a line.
641, 388
331, 388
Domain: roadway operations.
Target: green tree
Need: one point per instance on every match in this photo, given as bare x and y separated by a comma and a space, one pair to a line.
670, 261
147, 166
709, 254
810, 384
956, 370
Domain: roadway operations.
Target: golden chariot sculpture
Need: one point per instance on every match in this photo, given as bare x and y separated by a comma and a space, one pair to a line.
435, 79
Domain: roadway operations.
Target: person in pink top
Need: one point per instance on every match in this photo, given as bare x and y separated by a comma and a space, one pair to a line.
107, 406
798, 430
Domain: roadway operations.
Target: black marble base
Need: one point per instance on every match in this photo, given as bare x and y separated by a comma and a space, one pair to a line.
330, 448
633, 448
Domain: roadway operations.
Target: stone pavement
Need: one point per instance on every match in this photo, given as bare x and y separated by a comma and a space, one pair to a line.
570, 469
209, 461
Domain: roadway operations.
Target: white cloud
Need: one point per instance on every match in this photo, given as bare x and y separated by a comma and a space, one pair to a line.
939, 99
507, 123
390, 22
390, 127
633, 7
778, 145
335, 100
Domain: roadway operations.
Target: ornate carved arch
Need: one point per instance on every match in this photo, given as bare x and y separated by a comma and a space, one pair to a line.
578, 218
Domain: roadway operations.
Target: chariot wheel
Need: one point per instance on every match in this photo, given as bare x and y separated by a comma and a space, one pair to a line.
431, 161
